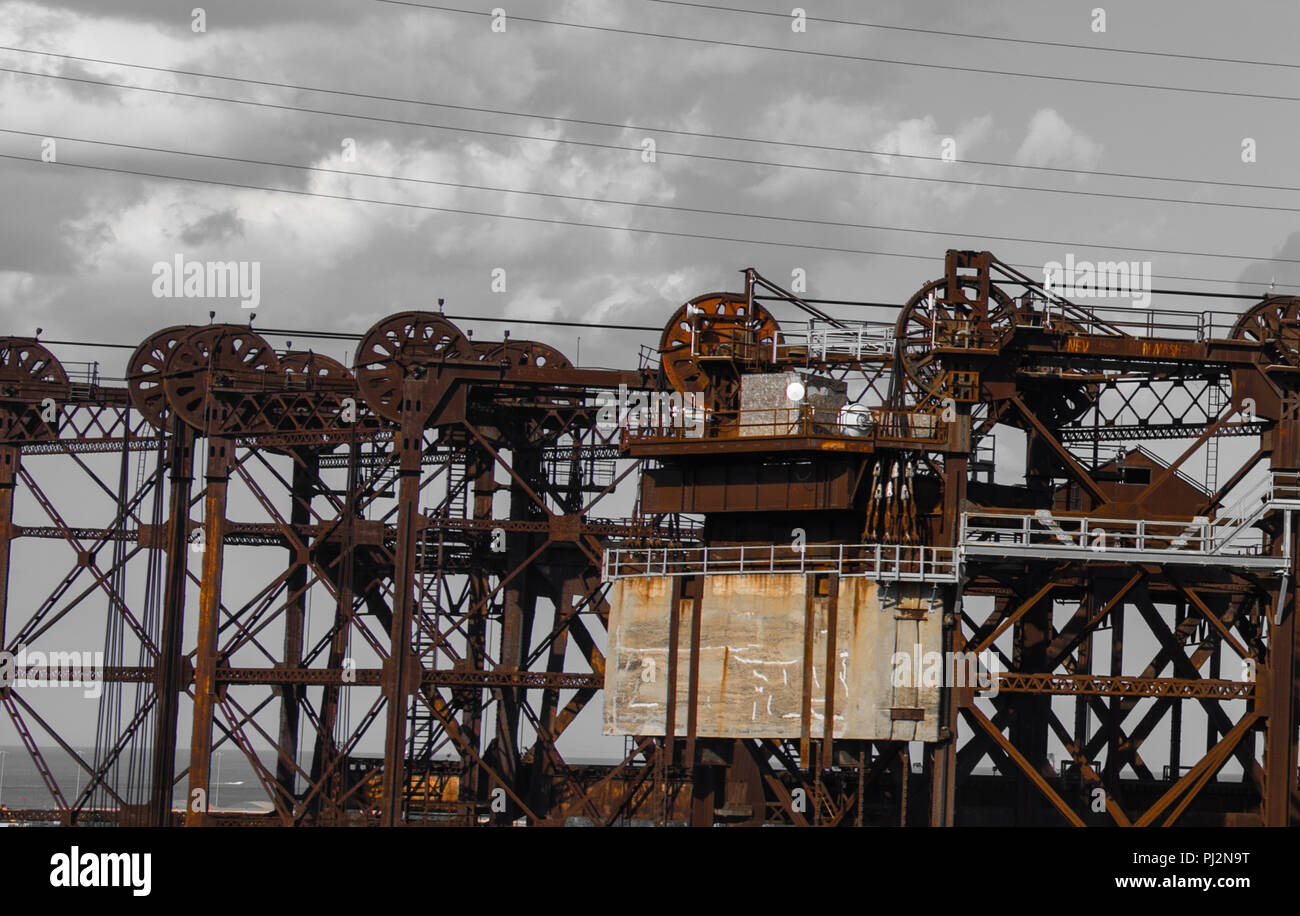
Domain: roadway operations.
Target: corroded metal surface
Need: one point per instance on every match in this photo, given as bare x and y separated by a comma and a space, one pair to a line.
447, 506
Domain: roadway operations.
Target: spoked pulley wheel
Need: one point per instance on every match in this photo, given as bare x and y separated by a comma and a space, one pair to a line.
400, 345
713, 325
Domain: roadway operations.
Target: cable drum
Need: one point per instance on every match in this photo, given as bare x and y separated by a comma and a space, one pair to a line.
403, 345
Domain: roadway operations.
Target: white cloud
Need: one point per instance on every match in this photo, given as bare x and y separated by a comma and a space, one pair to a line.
853, 125
1051, 141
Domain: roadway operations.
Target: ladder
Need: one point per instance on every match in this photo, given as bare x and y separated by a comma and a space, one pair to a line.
1216, 402
457, 502
141, 468
422, 725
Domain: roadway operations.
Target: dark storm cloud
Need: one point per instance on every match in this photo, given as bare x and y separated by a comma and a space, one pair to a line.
215, 227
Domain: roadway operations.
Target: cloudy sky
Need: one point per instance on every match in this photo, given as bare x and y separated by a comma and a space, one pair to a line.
372, 156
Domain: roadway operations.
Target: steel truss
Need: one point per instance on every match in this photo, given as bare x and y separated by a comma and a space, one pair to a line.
445, 502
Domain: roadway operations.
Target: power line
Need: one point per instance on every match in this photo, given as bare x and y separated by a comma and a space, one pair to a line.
550, 323
852, 57
671, 153
544, 322
590, 122
544, 220
632, 203
317, 334
346, 335
1002, 38
416, 206
88, 343
349, 335
549, 220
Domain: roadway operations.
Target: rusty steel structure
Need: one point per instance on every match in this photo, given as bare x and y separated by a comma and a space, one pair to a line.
469, 520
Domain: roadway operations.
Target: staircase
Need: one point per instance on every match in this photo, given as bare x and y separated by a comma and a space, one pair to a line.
457, 501
1280, 490
424, 730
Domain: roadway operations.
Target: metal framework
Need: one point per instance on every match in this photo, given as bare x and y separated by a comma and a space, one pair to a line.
459, 509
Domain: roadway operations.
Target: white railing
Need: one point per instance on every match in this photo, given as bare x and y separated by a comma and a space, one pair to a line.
987, 531
855, 340
1241, 515
851, 421
886, 562
1277, 489
1230, 538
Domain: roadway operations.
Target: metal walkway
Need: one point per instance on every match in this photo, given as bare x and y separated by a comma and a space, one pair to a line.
1230, 539
882, 562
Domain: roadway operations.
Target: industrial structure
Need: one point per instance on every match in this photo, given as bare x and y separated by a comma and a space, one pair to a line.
739, 556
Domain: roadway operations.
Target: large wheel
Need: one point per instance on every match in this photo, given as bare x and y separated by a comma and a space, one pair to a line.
401, 345
526, 354
144, 373
228, 353
28, 374
25, 360
715, 324
1275, 324
315, 370
523, 353
955, 319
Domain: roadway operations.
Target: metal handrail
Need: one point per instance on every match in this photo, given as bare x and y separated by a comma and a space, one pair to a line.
887, 562
856, 341
805, 420
1198, 536
1093, 319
